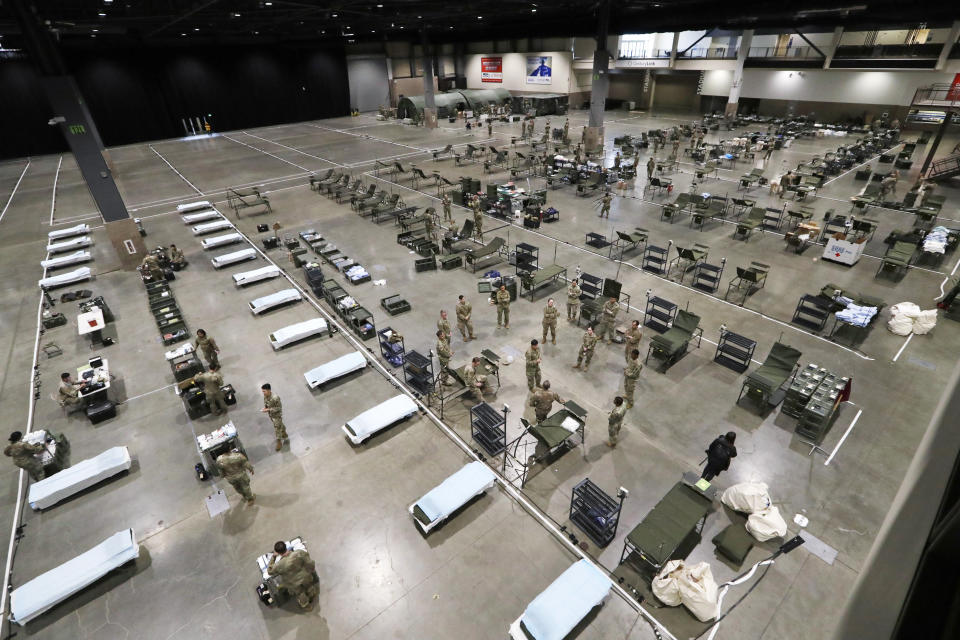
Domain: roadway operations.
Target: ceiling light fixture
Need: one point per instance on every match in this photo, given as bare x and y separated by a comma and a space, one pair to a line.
102, 14
334, 15
235, 14
95, 30
479, 17
533, 10
196, 28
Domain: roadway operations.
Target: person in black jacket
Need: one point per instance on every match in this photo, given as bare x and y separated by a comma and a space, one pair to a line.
719, 454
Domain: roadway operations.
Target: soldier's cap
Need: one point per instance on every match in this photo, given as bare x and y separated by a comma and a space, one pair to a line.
15, 436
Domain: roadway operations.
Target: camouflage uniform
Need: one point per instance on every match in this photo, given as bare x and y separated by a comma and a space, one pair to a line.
609, 318
23, 454
615, 421
445, 201
297, 574
464, 323
573, 301
503, 308
631, 341
550, 322
605, 205
212, 381
630, 375
152, 266
209, 347
542, 402
651, 165
474, 382
443, 355
234, 467
444, 325
67, 392
176, 256
275, 411
533, 368
477, 219
586, 349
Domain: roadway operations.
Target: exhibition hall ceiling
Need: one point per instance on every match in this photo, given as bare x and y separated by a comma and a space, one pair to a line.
99, 23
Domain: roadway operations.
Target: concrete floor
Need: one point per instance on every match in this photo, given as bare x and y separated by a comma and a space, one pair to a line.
379, 577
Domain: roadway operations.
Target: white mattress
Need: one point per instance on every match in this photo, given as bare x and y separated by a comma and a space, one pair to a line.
62, 261
32, 598
77, 275
194, 218
282, 337
80, 229
334, 369
210, 227
67, 245
182, 350
61, 485
379, 417
232, 258
221, 241
193, 206
249, 277
274, 299
471, 480
560, 607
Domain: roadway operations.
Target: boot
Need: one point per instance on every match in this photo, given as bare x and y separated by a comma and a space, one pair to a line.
279, 444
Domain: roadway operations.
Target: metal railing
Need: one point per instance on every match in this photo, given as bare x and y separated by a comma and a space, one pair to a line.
944, 166
638, 51
941, 94
802, 53
717, 53
930, 51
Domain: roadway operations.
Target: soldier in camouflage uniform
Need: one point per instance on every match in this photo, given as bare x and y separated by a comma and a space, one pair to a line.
573, 300
474, 382
615, 421
586, 349
274, 409
503, 307
477, 217
631, 339
630, 375
532, 357
651, 165
151, 265
297, 573
208, 346
605, 205
212, 381
445, 201
24, 455
234, 467
608, 319
444, 325
444, 353
542, 401
550, 313
464, 322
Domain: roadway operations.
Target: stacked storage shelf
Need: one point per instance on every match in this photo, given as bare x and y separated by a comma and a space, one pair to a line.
487, 426
812, 312
418, 372
659, 314
706, 277
734, 351
527, 257
818, 414
596, 513
654, 259
591, 287
391, 348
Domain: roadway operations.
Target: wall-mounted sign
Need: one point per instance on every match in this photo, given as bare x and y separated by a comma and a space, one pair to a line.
491, 69
539, 69
643, 64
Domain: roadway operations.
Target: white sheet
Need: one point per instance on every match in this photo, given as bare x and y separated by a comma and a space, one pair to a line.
379, 417
80, 229
193, 206
209, 227
562, 605
282, 337
194, 218
77, 275
266, 303
249, 277
61, 485
32, 598
182, 350
221, 241
67, 245
335, 369
62, 261
232, 258
471, 480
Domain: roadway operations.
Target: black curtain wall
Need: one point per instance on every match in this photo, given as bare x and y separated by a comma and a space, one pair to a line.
142, 94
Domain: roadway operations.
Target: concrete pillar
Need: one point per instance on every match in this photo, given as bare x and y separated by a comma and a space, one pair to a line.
948, 45
653, 88
429, 102
593, 136
673, 48
459, 65
745, 39
837, 36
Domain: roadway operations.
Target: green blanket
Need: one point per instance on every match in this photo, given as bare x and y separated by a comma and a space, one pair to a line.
669, 523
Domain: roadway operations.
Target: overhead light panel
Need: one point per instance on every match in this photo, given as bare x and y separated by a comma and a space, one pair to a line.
102, 14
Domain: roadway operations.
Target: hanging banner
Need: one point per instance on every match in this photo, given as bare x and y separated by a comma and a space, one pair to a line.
539, 69
491, 69
953, 95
